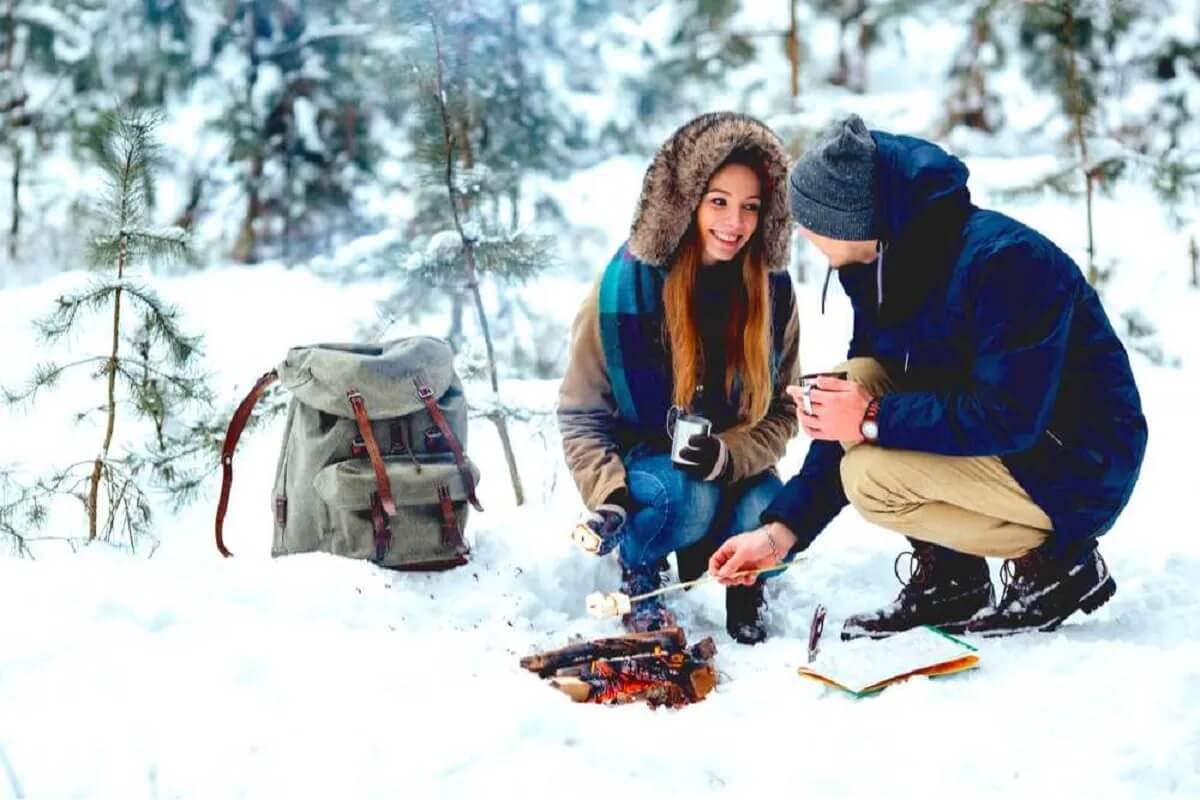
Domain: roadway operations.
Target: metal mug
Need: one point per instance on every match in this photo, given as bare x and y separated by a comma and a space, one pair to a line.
686, 426
809, 382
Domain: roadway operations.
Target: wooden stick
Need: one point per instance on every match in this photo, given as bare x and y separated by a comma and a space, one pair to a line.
709, 578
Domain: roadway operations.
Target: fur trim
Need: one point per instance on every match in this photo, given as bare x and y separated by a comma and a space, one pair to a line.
679, 174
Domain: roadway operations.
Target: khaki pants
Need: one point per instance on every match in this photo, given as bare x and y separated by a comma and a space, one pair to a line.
968, 504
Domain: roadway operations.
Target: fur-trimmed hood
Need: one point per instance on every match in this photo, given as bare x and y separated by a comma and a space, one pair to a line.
679, 174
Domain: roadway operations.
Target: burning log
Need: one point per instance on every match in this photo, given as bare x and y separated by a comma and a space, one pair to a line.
671, 680
546, 664
656, 668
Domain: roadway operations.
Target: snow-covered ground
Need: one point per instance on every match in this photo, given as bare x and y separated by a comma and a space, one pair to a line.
184, 675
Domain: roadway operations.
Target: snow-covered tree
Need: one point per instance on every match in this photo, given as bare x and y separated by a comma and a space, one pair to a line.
149, 369
299, 77
40, 44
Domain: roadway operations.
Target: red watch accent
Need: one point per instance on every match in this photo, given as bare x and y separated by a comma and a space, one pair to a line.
871, 415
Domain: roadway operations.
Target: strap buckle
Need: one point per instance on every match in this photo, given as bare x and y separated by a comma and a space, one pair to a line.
424, 392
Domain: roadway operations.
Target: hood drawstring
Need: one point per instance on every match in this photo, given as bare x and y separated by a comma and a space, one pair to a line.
879, 248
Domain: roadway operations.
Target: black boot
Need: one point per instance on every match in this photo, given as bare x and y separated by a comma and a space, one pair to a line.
944, 588
1041, 591
647, 615
744, 606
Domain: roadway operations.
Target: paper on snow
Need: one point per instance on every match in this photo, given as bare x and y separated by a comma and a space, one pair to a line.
864, 666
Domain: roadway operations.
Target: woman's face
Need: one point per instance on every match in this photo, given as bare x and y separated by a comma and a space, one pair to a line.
728, 213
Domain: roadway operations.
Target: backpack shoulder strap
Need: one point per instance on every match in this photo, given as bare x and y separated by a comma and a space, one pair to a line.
439, 419
236, 426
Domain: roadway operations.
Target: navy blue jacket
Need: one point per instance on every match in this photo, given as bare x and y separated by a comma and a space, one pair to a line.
999, 345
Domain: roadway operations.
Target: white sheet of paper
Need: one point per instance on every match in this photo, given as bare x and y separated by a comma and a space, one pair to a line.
865, 662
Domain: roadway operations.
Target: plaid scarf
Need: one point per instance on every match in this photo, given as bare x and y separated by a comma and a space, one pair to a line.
632, 337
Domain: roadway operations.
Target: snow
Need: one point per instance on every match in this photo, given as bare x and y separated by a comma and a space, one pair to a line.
306, 125
72, 41
183, 675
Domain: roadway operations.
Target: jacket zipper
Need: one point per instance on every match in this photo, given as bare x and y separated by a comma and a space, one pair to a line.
1057, 440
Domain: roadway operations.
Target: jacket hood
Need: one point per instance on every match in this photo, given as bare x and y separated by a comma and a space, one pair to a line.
679, 174
913, 176
921, 203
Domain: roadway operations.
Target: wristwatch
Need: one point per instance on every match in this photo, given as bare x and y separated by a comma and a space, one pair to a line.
870, 424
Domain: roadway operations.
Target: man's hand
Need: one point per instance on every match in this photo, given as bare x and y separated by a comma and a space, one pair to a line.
757, 549
838, 407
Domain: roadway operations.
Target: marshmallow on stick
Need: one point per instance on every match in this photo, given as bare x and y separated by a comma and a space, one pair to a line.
608, 604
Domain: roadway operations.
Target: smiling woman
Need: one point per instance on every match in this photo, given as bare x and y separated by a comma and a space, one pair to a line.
695, 317
728, 214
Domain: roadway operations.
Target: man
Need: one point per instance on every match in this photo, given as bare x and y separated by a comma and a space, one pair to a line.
991, 409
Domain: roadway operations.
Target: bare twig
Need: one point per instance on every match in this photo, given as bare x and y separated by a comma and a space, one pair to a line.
468, 245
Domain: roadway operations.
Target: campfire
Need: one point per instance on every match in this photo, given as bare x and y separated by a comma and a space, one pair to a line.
657, 668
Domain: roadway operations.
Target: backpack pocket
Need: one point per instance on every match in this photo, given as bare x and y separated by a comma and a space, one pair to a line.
431, 511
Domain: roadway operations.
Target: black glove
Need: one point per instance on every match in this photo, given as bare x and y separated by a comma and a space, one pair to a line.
709, 457
608, 520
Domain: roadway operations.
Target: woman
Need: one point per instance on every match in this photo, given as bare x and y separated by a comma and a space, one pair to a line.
694, 314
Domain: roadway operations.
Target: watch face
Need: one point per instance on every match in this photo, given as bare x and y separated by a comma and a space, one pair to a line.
870, 430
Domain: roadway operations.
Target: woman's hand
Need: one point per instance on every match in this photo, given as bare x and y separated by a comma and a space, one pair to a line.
758, 549
707, 458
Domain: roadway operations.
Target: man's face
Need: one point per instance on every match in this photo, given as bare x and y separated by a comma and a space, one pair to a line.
841, 252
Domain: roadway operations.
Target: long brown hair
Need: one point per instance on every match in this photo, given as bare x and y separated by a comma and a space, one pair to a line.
748, 344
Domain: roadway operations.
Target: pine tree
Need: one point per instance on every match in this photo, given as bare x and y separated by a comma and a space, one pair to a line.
983, 53
39, 45
150, 368
1076, 48
299, 76
473, 156
1168, 133
702, 49
861, 26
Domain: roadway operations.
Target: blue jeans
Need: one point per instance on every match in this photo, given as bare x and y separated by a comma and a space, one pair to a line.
677, 510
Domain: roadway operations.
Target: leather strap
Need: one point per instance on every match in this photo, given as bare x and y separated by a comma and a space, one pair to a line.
240, 417
368, 437
439, 419
450, 532
383, 534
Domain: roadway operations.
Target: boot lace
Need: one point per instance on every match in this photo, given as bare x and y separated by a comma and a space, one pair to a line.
1016, 576
920, 570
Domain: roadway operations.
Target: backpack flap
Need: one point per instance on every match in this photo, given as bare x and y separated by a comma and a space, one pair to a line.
431, 511
318, 375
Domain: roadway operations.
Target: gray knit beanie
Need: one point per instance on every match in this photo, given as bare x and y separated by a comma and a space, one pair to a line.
832, 187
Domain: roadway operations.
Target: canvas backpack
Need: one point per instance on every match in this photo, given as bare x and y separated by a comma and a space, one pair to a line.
373, 462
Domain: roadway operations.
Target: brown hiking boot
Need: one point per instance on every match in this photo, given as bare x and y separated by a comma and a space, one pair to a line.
1041, 591
944, 588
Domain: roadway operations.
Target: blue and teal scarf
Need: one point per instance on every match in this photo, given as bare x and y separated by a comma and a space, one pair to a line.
631, 334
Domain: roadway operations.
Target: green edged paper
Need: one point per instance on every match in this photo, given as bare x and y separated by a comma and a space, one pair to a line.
865, 666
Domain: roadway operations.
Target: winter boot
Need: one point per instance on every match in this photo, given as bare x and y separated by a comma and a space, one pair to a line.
1041, 591
650, 614
945, 588
693, 559
744, 606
